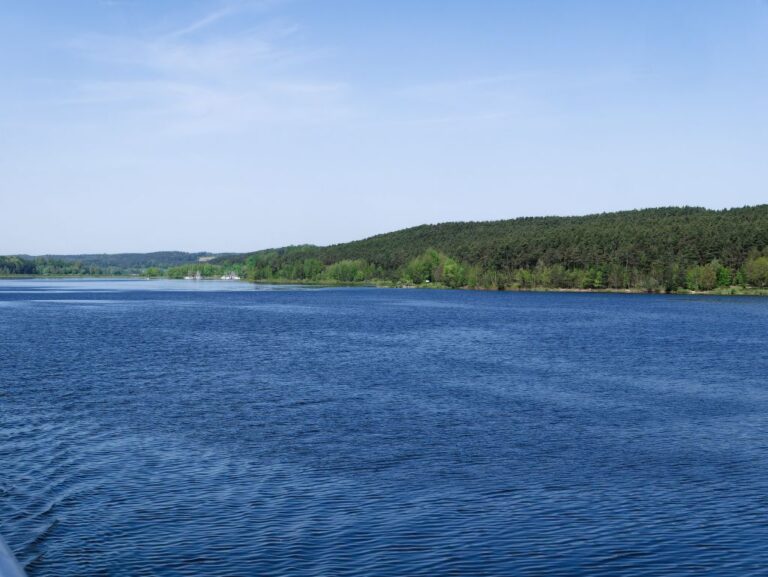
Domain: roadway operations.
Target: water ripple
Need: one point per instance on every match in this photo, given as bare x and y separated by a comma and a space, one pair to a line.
348, 432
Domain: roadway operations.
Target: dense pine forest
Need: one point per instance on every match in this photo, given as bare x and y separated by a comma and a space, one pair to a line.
661, 249
658, 250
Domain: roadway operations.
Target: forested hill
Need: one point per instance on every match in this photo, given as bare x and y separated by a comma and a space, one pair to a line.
97, 264
658, 249
654, 248
132, 260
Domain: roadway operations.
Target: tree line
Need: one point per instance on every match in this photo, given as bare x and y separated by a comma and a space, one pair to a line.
661, 249
438, 269
124, 264
16, 265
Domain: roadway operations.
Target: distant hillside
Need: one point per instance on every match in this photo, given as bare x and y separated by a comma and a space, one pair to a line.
651, 247
98, 264
657, 249
132, 260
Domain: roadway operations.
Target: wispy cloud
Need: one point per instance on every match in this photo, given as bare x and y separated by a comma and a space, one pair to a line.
226, 70
204, 22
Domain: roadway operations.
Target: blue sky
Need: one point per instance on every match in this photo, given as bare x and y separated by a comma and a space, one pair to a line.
235, 125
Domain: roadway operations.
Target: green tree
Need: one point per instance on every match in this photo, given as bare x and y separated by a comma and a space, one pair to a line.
756, 271
724, 276
454, 274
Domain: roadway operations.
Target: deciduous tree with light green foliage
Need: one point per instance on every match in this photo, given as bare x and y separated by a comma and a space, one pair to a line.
756, 271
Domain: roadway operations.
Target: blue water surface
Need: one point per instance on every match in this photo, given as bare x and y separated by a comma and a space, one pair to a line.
224, 429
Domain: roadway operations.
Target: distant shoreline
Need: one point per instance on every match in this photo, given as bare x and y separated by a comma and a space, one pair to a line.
684, 250
724, 291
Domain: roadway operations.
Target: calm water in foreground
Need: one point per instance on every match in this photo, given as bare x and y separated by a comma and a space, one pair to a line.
222, 429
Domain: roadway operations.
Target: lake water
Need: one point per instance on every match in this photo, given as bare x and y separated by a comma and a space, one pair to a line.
221, 429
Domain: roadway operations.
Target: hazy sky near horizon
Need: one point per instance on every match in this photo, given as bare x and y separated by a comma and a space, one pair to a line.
235, 125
